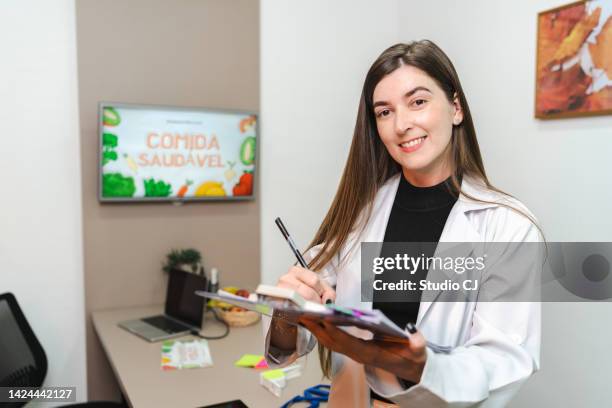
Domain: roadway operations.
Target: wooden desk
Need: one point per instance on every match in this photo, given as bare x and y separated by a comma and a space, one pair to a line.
137, 366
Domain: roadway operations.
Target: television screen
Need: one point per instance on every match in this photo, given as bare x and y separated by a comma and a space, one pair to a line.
167, 153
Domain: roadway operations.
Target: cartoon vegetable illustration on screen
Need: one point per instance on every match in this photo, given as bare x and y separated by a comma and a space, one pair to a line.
157, 188
110, 117
210, 188
247, 123
117, 185
245, 185
109, 144
230, 173
131, 163
183, 190
247, 151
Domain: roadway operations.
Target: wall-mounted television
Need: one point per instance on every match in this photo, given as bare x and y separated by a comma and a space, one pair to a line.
162, 153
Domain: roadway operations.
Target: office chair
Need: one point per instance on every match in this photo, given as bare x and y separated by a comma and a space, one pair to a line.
23, 359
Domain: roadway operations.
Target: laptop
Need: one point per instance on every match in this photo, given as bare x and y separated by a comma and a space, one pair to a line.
183, 312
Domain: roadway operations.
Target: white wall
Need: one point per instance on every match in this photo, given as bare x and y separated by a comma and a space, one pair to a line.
40, 226
560, 168
314, 57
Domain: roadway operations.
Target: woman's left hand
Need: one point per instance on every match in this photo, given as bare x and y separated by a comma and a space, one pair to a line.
406, 359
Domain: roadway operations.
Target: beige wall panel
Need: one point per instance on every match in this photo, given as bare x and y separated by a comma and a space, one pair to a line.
173, 52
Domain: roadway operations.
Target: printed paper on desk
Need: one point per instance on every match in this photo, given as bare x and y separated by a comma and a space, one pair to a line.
177, 355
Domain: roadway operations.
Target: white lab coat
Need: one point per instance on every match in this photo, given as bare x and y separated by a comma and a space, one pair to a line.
495, 345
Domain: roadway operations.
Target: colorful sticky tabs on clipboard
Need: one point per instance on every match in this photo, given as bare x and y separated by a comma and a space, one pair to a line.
340, 309
252, 361
348, 311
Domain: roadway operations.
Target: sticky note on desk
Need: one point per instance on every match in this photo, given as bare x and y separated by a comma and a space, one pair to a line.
273, 374
262, 364
249, 360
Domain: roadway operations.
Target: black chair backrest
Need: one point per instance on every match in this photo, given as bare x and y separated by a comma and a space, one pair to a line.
23, 362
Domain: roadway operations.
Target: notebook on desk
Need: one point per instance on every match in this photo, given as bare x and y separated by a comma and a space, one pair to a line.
182, 314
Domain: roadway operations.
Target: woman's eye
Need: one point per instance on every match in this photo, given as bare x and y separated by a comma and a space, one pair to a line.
420, 102
383, 113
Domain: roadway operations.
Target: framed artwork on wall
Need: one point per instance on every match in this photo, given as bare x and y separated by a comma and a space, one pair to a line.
574, 60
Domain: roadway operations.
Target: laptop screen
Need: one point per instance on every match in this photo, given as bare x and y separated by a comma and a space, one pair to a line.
181, 301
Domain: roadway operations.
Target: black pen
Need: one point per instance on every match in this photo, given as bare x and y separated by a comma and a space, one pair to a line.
296, 251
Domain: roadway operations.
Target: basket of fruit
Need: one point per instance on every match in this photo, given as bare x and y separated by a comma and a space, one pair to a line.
233, 315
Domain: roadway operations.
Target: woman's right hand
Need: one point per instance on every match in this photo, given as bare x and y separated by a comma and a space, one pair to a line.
307, 284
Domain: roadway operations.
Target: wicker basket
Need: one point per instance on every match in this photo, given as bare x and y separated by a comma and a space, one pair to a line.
239, 318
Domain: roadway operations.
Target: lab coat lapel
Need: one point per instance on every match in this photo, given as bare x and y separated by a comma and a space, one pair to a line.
374, 233
382, 210
458, 233
457, 238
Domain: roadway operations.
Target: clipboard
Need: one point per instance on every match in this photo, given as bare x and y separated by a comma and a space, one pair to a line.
374, 321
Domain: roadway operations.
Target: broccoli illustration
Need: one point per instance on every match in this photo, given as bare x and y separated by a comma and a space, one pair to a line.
117, 185
109, 144
110, 140
157, 188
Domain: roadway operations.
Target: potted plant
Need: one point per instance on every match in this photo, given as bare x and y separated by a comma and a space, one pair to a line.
188, 260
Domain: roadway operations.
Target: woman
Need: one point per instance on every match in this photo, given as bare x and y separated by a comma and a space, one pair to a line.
414, 173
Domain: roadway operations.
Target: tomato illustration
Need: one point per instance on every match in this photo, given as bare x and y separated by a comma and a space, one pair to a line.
245, 185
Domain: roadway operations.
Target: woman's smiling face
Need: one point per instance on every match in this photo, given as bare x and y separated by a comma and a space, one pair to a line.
415, 120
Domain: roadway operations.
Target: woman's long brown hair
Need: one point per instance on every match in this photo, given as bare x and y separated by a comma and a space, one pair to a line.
369, 165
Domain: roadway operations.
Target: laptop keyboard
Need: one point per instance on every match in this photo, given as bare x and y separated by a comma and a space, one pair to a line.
165, 324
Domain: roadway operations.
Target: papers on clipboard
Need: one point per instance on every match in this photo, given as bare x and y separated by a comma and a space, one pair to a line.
269, 300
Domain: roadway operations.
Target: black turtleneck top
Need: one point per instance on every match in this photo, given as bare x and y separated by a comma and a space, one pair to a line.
418, 216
